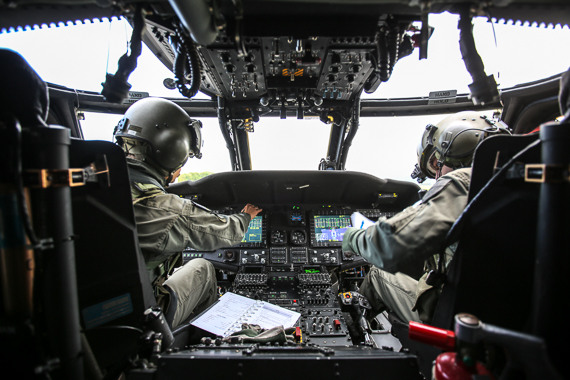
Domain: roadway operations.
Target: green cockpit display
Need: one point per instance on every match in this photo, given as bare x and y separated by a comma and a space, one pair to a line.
254, 232
331, 228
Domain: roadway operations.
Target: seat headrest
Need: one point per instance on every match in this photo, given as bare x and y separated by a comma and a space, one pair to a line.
23, 94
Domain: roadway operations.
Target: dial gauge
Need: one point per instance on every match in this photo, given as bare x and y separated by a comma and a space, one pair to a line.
278, 237
298, 237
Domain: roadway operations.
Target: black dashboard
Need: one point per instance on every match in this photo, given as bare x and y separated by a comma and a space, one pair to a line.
291, 236
304, 217
291, 254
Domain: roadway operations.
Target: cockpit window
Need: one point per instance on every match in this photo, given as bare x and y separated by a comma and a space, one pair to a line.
514, 54
215, 158
79, 56
387, 146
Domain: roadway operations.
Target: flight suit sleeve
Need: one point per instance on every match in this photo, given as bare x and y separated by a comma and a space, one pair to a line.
203, 230
168, 224
416, 233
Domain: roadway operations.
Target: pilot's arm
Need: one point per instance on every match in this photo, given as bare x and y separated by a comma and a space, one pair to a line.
416, 233
251, 210
167, 224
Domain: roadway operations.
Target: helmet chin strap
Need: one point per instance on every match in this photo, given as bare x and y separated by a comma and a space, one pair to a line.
437, 165
171, 176
439, 169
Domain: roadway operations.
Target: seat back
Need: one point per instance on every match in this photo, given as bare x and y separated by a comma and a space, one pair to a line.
491, 274
113, 284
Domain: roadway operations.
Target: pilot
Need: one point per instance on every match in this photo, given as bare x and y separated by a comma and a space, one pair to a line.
158, 137
417, 234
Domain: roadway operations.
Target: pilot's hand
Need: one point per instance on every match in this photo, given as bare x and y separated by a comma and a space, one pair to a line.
251, 210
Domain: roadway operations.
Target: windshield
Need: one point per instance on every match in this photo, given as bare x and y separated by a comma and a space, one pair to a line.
79, 56
514, 54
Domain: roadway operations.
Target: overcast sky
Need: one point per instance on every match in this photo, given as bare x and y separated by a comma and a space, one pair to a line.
80, 56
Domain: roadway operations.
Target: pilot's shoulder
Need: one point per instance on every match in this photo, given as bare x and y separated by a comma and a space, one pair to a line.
460, 177
463, 175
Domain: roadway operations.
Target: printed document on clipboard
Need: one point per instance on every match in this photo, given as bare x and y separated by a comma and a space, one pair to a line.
232, 310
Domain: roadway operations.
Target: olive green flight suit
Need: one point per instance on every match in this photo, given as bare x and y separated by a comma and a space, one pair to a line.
407, 239
166, 225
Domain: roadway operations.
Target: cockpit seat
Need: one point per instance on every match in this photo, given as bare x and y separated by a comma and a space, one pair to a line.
92, 224
113, 285
491, 275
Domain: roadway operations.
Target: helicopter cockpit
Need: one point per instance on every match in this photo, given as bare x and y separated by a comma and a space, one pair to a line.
77, 302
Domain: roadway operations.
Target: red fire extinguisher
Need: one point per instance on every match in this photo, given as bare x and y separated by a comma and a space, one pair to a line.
449, 365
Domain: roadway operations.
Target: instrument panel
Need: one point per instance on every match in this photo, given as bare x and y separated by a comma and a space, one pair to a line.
291, 236
292, 257
291, 254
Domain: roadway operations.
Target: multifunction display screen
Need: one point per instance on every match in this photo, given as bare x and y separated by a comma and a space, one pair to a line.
331, 228
254, 232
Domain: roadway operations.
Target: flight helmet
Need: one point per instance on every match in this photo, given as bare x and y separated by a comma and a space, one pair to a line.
159, 132
452, 142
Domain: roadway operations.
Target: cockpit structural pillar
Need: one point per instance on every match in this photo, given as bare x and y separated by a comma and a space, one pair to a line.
235, 134
343, 129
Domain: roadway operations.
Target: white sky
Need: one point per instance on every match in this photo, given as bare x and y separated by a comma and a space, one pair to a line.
80, 56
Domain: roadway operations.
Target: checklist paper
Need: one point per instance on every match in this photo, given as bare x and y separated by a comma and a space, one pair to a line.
360, 221
232, 310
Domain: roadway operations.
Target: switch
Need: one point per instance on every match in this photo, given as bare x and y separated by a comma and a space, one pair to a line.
298, 335
336, 323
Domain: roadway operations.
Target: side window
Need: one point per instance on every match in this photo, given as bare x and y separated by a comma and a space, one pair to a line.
387, 146
215, 156
98, 126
